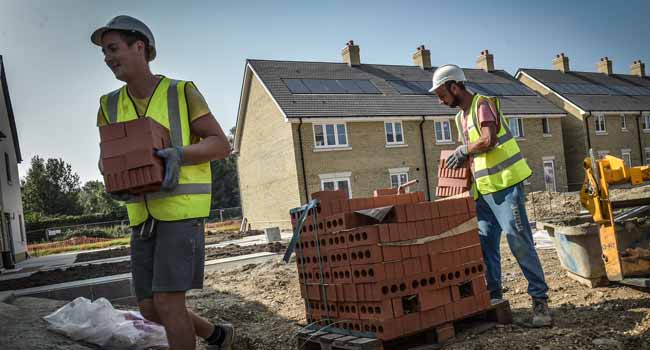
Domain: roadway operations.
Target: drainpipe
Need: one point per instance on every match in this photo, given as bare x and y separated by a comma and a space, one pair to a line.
638, 133
587, 128
302, 160
426, 166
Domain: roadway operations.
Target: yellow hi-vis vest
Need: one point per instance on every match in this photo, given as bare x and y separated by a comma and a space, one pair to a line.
168, 106
501, 167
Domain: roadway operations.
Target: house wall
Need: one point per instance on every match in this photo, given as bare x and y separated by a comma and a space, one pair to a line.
266, 164
10, 188
574, 136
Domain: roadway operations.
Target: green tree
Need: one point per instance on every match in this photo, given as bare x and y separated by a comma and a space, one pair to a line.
94, 199
225, 184
51, 188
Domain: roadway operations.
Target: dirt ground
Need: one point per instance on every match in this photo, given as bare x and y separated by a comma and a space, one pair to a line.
76, 273
263, 302
545, 205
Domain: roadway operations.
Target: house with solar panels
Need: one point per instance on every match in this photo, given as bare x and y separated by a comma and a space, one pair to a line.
303, 127
606, 112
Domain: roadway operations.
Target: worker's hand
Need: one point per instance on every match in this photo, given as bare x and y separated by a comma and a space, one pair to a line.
456, 159
173, 157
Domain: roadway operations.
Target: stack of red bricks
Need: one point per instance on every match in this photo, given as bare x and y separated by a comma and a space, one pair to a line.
452, 182
394, 278
128, 159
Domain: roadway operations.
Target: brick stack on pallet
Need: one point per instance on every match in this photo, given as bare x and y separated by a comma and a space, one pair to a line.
128, 159
452, 182
421, 268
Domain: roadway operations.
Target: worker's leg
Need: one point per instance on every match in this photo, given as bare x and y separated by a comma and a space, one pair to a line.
490, 235
178, 267
509, 208
142, 253
178, 324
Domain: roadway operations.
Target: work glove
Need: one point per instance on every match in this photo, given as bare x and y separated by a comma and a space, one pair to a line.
173, 157
456, 159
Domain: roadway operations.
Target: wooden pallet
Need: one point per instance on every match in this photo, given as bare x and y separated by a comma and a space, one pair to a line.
311, 339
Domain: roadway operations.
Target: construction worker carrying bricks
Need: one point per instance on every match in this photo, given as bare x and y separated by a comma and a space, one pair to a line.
498, 171
167, 241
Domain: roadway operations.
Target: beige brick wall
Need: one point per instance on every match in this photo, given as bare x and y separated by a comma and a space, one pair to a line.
615, 139
537, 147
573, 134
368, 159
268, 177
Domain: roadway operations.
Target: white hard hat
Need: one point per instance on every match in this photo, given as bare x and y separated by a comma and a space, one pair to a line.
445, 73
128, 24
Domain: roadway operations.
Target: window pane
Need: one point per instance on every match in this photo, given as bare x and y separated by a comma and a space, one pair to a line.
545, 126
389, 133
513, 127
403, 178
343, 185
328, 186
398, 132
438, 128
331, 139
446, 131
520, 125
394, 181
623, 124
320, 140
340, 129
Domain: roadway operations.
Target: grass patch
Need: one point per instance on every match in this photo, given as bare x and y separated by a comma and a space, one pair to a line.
126, 241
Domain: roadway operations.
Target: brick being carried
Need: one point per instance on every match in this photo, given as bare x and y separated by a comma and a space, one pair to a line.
452, 182
128, 155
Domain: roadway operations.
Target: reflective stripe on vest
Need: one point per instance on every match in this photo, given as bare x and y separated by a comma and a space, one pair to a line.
501, 167
167, 105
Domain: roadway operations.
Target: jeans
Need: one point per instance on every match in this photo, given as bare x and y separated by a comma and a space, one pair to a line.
505, 211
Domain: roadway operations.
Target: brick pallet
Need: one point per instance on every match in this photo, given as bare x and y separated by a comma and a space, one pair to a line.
420, 268
330, 339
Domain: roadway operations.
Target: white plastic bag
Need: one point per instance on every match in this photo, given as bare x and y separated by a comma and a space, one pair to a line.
99, 323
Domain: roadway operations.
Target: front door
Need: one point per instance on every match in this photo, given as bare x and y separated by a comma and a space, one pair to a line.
549, 175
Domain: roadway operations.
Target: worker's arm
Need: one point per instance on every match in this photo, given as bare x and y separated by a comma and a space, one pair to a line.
214, 144
486, 142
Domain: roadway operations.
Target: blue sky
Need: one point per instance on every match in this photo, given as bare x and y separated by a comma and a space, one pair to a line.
56, 75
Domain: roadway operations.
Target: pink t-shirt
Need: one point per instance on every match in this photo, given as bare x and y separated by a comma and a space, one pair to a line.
485, 118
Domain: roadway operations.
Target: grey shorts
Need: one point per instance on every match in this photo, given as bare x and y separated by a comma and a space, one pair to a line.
170, 261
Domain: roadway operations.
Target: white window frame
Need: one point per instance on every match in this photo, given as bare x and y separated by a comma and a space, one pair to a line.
645, 122
546, 122
527, 180
647, 155
393, 123
597, 119
551, 160
336, 144
623, 122
627, 152
335, 178
398, 172
519, 133
443, 140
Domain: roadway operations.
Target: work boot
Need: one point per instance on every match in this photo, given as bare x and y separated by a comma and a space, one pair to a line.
541, 314
228, 338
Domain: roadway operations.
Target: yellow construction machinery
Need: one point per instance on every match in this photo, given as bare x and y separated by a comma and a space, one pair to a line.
626, 258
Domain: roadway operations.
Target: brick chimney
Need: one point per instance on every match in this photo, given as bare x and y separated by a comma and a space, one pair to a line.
638, 68
561, 62
485, 61
350, 54
422, 57
604, 66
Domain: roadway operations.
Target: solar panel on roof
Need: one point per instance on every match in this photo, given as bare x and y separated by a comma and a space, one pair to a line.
296, 86
330, 86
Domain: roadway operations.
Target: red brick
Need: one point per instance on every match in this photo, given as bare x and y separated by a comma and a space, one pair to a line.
411, 212
348, 292
385, 330
342, 274
394, 270
348, 311
345, 221
433, 317
398, 308
391, 253
382, 310
338, 257
368, 273
420, 196
329, 196
384, 192
411, 323
363, 235
471, 206
423, 229
446, 331
369, 254
404, 199
399, 213
395, 232
383, 201
451, 182
408, 231
344, 204
384, 233
434, 298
